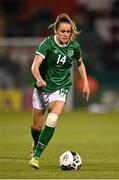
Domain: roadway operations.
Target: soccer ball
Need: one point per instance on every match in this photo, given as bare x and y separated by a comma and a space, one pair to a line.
70, 160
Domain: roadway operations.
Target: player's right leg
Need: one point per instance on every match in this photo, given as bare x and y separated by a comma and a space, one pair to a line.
38, 115
34, 162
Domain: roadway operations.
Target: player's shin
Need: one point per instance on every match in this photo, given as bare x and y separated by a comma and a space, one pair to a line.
35, 135
46, 134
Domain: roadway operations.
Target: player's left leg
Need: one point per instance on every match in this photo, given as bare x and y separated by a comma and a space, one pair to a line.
55, 110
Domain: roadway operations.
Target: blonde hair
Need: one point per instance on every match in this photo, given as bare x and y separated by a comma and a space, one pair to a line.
64, 18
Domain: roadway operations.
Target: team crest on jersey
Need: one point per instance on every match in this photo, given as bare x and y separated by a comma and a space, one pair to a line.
70, 53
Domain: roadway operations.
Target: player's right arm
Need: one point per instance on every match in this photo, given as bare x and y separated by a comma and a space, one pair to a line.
35, 71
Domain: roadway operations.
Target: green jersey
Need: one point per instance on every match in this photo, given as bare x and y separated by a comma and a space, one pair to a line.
57, 62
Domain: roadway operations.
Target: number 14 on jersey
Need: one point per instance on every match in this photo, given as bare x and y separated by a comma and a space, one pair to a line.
61, 60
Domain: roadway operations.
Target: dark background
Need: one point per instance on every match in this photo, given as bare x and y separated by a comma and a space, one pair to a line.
24, 23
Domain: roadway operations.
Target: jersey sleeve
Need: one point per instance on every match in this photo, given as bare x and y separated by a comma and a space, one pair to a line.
77, 54
43, 48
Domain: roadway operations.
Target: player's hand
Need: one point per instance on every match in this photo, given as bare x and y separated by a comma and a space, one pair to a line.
41, 83
86, 91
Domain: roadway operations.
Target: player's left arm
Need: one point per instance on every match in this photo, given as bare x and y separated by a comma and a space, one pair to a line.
83, 74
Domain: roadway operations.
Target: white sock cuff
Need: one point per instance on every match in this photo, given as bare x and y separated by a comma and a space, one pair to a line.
51, 120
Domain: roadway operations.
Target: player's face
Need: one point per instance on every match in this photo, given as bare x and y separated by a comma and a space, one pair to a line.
63, 33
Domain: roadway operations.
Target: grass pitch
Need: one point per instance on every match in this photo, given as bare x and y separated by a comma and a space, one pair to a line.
94, 136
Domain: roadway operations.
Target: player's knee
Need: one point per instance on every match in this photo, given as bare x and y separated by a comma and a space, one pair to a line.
51, 120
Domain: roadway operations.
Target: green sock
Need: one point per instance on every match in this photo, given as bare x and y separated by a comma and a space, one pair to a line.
44, 139
35, 135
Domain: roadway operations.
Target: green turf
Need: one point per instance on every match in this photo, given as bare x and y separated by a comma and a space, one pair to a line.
94, 136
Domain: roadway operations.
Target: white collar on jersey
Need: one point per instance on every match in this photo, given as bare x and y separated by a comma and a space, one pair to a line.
64, 45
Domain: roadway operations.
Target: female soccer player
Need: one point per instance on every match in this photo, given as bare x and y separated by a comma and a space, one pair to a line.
51, 70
